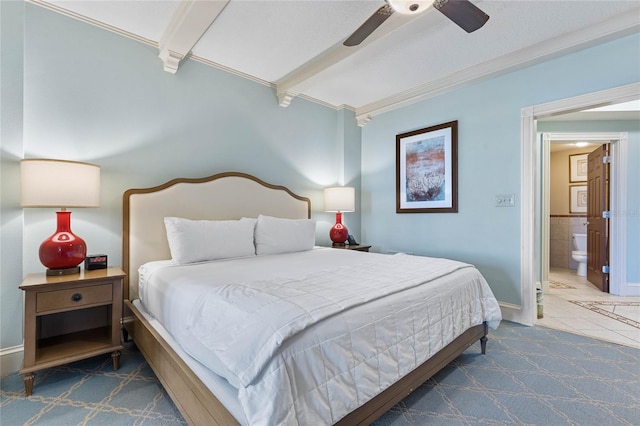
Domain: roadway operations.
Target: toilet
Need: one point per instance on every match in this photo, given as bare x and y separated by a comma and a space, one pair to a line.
579, 253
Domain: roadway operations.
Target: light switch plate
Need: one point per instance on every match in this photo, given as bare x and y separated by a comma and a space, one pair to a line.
505, 200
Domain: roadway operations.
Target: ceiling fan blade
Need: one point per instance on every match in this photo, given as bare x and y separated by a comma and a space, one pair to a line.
463, 13
369, 26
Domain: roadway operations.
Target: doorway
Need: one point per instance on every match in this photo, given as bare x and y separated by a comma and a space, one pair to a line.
531, 212
563, 214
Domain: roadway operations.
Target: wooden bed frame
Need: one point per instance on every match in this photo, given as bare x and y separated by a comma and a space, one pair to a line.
227, 196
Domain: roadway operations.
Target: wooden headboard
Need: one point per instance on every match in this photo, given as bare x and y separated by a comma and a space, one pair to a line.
222, 196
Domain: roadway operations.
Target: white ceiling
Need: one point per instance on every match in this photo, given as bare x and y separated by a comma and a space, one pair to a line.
296, 45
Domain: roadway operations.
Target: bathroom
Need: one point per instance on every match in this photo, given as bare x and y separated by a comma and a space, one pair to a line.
568, 215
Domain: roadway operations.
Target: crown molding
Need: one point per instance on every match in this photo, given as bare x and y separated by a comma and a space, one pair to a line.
326, 104
221, 67
93, 22
172, 59
611, 29
620, 26
264, 82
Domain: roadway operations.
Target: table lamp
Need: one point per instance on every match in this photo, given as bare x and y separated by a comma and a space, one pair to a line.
339, 199
62, 184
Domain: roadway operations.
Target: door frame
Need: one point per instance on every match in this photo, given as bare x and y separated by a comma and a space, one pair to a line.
616, 140
530, 211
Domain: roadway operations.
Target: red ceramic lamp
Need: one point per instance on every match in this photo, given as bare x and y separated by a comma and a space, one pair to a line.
339, 199
63, 184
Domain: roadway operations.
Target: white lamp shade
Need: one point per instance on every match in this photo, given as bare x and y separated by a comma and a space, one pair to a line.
59, 183
339, 199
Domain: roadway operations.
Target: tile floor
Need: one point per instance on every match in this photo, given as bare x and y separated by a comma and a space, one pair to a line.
575, 305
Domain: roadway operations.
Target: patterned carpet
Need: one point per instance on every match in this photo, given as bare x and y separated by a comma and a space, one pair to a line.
90, 392
530, 376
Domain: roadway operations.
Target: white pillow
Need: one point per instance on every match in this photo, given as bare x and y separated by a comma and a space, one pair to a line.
276, 235
200, 240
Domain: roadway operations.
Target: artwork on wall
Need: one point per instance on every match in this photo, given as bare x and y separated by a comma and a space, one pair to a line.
578, 199
578, 165
427, 170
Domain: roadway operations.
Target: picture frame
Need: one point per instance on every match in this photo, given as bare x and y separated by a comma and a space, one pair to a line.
578, 165
578, 199
427, 170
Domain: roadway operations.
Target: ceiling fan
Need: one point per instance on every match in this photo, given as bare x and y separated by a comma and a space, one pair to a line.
462, 12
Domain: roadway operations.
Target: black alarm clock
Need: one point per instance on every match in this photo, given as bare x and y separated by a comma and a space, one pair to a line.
95, 261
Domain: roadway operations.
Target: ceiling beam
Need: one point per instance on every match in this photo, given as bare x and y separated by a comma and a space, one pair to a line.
298, 80
189, 22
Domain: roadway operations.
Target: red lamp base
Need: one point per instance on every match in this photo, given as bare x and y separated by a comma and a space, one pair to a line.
338, 232
62, 252
61, 272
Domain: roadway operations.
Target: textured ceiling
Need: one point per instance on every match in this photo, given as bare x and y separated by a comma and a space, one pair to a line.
296, 45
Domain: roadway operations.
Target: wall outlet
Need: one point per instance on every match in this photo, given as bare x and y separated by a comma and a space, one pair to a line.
505, 200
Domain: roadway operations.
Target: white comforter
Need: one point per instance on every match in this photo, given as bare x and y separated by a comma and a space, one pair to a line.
367, 319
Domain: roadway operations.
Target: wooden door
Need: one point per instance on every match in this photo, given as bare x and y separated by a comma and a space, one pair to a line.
597, 224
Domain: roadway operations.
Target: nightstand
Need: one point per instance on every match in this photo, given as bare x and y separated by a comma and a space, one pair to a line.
356, 247
71, 317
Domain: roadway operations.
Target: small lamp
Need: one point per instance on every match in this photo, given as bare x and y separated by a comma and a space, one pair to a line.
339, 199
63, 184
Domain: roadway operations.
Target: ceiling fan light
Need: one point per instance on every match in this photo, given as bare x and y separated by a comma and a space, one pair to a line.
409, 7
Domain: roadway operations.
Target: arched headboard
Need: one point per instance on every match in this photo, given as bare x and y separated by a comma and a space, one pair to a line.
223, 196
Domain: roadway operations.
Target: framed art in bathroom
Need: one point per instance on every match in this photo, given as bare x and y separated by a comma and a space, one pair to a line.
578, 164
578, 199
427, 170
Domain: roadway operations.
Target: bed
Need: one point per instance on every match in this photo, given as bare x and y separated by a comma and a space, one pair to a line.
307, 369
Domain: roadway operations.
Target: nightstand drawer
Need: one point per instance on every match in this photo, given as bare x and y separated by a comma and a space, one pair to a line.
73, 297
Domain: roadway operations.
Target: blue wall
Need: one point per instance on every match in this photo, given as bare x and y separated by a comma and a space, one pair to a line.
92, 95
489, 151
11, 75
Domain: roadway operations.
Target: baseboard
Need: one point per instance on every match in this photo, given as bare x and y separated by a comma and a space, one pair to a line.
545, 287
11, 359
513, 313
632, 289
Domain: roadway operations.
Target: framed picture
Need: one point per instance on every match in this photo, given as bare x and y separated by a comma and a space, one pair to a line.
578, 165
427, 170
578, 199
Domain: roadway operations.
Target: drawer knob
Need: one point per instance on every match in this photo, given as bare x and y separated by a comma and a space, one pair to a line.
76, 297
